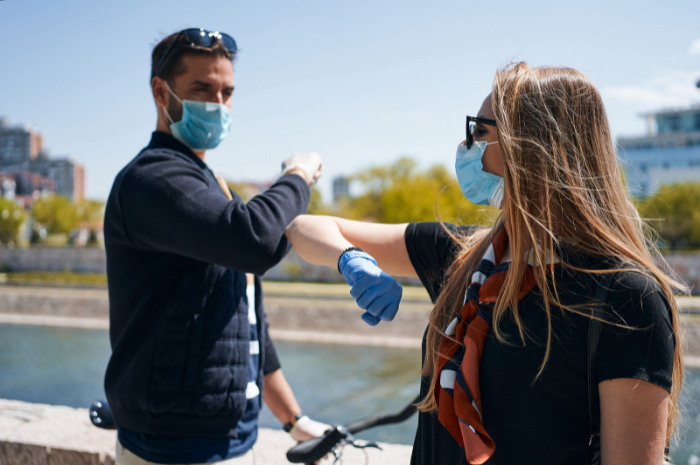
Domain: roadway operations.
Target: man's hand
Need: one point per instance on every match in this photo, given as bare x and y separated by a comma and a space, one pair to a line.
372, 289
307, 165
305, 428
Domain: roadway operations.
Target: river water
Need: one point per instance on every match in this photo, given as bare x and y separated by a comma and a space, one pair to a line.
333, 383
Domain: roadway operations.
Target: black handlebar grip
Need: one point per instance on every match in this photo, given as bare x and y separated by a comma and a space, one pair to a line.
385, 419
101, 415
315, 449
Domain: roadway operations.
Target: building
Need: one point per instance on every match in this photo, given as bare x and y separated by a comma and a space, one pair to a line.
18, 144
67, 174
21, 151
341, 188
668, 153
24, 187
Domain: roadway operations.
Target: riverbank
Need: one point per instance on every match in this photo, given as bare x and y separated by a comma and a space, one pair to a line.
305, 312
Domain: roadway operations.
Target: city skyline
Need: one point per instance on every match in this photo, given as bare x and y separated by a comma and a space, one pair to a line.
360, 84
28, 170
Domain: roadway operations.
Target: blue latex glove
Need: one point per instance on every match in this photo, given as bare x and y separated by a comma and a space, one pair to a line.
373, 290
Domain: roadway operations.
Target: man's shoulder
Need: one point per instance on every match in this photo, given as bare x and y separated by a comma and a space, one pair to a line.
156, 163
156, 155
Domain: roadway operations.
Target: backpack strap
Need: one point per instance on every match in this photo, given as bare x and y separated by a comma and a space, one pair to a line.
594, 328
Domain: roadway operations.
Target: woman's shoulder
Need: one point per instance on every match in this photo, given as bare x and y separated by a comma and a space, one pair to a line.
637, 340
636, 297
633, 294
440, 230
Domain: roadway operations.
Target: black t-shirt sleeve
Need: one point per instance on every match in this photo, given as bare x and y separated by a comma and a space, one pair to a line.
644, 348
432, 251
272, 362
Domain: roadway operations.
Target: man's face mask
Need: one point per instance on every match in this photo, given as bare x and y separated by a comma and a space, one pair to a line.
203, 124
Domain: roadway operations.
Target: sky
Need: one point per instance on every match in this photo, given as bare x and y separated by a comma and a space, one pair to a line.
361, 83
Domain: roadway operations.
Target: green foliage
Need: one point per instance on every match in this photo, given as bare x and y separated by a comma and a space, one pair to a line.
247, 192
56, 213
11, 218
56, 278
674, 212
316, 206
244, 190
90, 211
399, 193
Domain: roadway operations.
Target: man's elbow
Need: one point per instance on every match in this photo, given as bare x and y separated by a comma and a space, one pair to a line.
267, 256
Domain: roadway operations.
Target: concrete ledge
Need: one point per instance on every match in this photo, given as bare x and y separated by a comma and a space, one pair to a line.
47, 434
39, 434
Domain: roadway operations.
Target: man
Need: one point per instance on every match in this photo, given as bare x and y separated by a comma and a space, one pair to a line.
191, 352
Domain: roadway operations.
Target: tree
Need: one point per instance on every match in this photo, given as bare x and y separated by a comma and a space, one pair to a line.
244, 190
90, 212
316, 206
399, 193
673, 212
248, 191
11, 218
56, 214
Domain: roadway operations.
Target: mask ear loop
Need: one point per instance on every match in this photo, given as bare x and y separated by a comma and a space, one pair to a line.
176, 97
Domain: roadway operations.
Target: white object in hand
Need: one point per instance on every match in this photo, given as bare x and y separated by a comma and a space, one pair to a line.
305, 428
310, 163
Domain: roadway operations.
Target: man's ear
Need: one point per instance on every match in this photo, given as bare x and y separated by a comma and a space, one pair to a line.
160, 92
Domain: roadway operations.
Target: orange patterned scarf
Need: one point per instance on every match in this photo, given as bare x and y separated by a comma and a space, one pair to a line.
457, 387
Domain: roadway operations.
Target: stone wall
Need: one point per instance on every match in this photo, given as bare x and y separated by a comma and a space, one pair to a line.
93, 260
78, 259
292, 268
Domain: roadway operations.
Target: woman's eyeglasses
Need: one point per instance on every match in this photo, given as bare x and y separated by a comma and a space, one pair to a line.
201, 38
471, 124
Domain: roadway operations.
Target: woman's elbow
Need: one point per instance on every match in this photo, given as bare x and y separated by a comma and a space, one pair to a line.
297, 224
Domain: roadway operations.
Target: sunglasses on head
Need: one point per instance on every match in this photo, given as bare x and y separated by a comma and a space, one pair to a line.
201, 38
471, 124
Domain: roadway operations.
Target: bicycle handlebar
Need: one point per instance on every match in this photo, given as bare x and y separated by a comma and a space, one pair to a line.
315, 449
305, 452
385, 419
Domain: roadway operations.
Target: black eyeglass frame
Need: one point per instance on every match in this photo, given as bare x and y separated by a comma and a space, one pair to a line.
474, 119
199, 37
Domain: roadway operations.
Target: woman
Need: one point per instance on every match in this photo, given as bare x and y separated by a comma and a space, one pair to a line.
505, 354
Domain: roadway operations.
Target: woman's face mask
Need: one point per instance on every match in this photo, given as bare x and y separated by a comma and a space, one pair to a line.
478, 186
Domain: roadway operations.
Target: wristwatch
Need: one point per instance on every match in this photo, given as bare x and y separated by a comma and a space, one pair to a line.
290, 424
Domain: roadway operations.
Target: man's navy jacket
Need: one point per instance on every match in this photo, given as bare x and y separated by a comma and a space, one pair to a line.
177, 254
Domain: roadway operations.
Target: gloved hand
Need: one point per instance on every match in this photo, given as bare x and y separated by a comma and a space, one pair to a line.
310, 163
305, 428
372, 289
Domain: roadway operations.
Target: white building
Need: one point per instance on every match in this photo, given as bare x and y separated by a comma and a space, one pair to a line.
668, 153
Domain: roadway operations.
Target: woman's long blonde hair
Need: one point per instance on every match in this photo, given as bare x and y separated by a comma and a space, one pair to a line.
561, 181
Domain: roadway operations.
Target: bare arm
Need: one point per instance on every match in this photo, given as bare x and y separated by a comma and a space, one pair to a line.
279, 397
633, 422
321, 239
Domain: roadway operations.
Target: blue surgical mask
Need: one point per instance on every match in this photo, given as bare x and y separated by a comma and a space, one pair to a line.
478, 186
203, 125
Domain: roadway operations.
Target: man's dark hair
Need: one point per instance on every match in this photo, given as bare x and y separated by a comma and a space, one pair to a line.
173, 65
